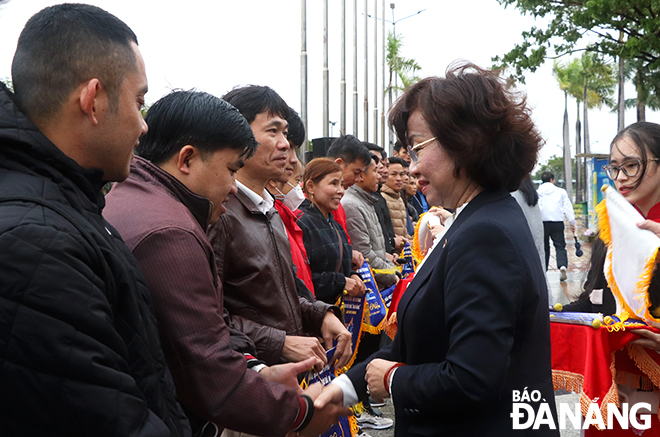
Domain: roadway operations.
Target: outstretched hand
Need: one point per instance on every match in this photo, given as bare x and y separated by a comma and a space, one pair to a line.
287, 374
326, 413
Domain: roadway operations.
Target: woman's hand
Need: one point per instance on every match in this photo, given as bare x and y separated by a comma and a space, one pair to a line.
650, 339
441, 213
650, 225
376, 370
355, 286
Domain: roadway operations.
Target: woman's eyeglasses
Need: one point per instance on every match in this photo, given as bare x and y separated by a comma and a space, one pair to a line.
413, 151
630, 168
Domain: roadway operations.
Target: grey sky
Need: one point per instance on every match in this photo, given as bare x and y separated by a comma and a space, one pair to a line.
217, 45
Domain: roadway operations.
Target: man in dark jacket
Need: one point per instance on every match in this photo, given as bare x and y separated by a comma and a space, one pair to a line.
253, 254
79, 353
177, 186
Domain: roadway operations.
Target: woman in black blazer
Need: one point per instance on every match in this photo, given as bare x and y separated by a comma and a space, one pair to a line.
473, 328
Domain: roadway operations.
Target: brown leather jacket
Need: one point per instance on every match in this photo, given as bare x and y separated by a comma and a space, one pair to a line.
254, 263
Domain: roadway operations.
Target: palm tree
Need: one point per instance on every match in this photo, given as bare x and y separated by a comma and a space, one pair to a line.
561, 73
401, 69
587, 79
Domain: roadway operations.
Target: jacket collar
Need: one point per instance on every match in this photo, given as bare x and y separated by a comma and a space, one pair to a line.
363, 195
26, 149
199, 206
390, 191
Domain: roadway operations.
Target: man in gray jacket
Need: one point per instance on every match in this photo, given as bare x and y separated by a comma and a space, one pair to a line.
363, 225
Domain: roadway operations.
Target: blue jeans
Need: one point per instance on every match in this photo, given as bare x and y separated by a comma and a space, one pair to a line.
555, 230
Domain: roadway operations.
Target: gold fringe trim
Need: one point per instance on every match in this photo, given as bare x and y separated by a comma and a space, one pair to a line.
647, 365
391, 326
355, 429
603, 222
414, 248
358, 408
640, 290
574, 382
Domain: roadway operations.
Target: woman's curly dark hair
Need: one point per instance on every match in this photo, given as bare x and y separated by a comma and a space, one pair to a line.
484, 127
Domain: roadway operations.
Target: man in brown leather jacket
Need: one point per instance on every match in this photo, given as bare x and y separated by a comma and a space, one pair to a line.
253, 256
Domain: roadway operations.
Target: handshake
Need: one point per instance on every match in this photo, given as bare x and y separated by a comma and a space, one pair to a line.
324, 404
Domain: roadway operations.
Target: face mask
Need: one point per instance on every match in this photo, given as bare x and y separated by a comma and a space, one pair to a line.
294, 197
280, 196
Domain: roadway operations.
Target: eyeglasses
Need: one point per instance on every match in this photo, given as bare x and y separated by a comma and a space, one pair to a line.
413, 151
630, 168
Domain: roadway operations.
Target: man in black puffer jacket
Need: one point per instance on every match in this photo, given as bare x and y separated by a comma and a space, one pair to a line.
79, 347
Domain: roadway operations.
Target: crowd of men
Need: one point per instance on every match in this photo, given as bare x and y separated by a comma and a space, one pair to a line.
176, 304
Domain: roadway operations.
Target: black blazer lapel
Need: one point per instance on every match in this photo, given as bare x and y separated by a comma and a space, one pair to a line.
483, 198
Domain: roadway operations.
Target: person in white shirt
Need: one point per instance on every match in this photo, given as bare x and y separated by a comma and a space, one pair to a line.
555, 205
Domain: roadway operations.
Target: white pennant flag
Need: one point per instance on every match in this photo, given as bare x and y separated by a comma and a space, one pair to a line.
632, 254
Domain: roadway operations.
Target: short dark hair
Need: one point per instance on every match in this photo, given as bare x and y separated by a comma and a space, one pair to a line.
193, 118
396, 160
252, 100
547, 176
646, 136
296, 128
349, 149
484, 127
373, 147
397, 146
65, 45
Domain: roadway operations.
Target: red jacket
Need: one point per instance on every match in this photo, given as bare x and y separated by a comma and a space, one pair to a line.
298, 252
340, 217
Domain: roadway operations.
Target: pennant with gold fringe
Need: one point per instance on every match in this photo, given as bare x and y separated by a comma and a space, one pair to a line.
423, 239
347, 426
354, 313
375, 309
632, 255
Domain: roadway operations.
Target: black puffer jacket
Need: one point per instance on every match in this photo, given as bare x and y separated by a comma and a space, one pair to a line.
71, 363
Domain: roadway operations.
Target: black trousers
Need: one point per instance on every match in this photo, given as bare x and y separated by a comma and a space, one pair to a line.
555, 230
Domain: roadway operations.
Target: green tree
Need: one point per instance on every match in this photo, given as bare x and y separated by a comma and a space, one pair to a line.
405, 69
611, 28
555, 164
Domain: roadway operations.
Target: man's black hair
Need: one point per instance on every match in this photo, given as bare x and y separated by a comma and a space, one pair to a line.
296, 128
397, 160
547, 176
252, 100
193, 118
373, 147
65, 45
397, 146
349, 149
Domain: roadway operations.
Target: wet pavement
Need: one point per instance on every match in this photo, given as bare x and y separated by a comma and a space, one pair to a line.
562, 292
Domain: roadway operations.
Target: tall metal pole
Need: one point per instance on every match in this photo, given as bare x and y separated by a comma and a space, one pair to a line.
366, 70
375, 72
326, 89
382, 108
303, 71
390, 146
342, 83
355, 70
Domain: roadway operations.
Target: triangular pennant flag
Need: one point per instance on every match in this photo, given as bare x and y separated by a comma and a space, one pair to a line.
632, 254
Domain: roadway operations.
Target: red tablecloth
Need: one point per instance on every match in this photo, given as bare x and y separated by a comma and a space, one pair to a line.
591, 362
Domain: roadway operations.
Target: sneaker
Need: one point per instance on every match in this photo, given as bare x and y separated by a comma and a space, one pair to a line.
361, 433
368, 420
373, 402
562, 273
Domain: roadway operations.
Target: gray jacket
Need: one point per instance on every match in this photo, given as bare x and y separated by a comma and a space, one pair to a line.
363, 227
